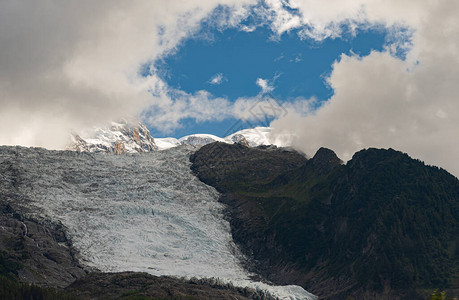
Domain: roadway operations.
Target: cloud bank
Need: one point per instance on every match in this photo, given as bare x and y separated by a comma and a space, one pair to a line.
380, 100
74, 64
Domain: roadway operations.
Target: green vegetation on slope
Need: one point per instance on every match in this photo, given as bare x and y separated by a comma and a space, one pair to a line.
383, 223
13, 290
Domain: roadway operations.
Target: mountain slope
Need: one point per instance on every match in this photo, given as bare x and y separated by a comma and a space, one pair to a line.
258, 136
37, 261
143, 212
124, 137
119, 137
129, 285
200, 139
383, 226
35, 252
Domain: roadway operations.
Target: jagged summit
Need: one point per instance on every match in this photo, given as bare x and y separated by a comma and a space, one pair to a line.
325, 160
119, 137
124, 137
240, 139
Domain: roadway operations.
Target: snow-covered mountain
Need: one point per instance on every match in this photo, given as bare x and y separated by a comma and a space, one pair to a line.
119, 137
122, 137
200, 139
166, 143
254, 136
136, 212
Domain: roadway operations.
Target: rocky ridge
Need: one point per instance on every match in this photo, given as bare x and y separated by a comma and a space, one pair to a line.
124, 137
36, 252
119, 137
382, 226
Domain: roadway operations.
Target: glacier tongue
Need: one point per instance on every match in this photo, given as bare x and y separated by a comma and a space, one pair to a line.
134, 212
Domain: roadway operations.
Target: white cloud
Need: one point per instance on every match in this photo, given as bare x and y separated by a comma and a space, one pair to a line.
296, 59
279, 57
74, 64
382, 101
167, 113
246, 28
257, 109
264, 84
267, 85
217, 79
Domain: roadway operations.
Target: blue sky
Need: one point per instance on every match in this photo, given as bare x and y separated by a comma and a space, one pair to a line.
234, 59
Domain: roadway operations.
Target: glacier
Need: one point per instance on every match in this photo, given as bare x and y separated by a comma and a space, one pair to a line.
142, 212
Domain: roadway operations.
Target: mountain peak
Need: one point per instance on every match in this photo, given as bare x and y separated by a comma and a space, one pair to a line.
325, 160
131, 137
119, 137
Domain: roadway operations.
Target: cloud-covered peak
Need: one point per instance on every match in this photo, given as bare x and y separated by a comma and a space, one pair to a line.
381, 101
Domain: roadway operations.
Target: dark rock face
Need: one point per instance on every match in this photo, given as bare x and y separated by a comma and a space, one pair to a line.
36, 253
324, 161
227, 167
39, 250
381, 227
145, 286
